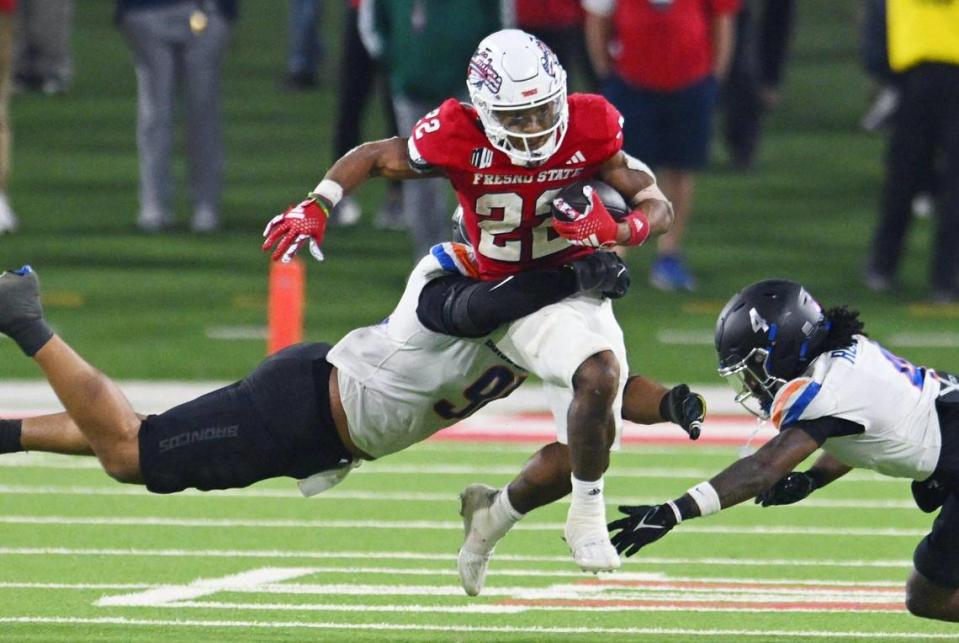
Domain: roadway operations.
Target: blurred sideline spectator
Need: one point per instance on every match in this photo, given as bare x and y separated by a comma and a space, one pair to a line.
44, 59
358, 75
775, 35
559, 24
875, 59
755, 75
660, 61
305, 48
8, 221
178, 44
427, 45
923, 40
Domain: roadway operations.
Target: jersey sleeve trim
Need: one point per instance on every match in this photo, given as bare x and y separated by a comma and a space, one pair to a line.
456, 258
793, 400
415, 157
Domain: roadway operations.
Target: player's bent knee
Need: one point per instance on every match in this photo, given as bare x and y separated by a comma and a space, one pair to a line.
928, 600
599, 374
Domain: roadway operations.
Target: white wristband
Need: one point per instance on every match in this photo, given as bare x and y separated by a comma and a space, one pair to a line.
706, 498
329, 190
676, 512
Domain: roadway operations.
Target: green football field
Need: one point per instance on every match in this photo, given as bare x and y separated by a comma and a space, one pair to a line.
159, 306
86, 559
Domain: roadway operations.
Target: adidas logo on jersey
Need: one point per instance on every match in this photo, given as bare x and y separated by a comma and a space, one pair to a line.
578, 157
482, 157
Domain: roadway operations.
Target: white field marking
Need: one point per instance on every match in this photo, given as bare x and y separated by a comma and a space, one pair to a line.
50, 461
608, 590
437, 525
686, 337
934, 340
494, 629
233, 333
609, 579
507, 609
406, 496
471, 608
250, 581
437, 557
628, 450
103, 586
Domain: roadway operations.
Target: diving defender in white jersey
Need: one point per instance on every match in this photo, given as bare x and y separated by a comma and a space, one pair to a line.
311, 411
818, 378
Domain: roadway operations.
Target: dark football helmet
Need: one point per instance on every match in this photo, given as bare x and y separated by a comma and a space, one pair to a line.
766, 335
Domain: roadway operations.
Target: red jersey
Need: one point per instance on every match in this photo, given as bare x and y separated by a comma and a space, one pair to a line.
506, 207
549, 14
666, 44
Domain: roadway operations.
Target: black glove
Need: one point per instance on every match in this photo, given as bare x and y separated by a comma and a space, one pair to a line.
602, 272
790, 489
685, 408
642, 525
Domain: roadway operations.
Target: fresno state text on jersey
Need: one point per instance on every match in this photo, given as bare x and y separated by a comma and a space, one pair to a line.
506, 207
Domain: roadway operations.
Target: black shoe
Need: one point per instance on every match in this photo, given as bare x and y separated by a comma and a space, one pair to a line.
929, 494
21, 315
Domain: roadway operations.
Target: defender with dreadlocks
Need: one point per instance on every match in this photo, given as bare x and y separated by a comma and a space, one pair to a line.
824, 384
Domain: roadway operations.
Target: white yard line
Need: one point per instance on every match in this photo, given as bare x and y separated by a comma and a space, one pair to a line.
501, 629
402, 496
244, 581
499, 609
612, 579
50, 461
903, 563
436, 525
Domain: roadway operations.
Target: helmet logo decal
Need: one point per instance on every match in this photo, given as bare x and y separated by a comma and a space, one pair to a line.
757, 321
548, 59
481, 72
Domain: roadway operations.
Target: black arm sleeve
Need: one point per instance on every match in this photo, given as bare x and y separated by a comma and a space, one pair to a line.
828, 427
463, 307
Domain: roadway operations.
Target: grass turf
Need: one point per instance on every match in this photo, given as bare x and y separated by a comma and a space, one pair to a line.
375, 559
142, 306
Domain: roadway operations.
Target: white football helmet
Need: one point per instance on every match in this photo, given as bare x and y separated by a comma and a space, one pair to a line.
518, 88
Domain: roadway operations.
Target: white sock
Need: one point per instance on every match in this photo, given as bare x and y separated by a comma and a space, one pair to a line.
490, 527
588, 497
504, 506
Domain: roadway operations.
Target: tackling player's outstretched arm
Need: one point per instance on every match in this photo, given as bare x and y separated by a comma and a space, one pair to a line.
744, 479
796, 485
463, 307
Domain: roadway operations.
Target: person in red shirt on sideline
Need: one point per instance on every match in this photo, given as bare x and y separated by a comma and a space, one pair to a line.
559, 24
661, 61
508, 155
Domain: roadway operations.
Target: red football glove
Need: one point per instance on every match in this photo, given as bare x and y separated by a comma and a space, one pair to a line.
305, 221
594, 227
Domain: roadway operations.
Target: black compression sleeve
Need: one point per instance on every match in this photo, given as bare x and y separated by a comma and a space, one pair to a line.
463, 307
820, 429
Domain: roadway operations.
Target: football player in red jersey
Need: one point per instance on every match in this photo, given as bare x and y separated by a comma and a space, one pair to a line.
507, 156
